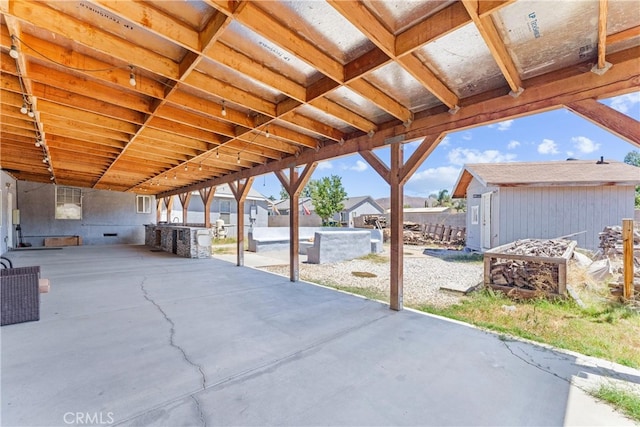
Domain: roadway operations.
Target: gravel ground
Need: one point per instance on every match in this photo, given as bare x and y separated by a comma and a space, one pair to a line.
424, 275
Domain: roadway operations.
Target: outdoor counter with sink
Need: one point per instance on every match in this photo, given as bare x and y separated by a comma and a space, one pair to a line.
184, 241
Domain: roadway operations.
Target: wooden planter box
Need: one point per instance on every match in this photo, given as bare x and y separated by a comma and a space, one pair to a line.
526, 276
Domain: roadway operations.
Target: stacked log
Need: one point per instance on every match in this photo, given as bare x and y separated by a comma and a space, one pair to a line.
532, 265
611, 240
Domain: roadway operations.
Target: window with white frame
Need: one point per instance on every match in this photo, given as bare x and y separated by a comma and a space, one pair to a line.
475, 214
225, 211
68, 203
143, 204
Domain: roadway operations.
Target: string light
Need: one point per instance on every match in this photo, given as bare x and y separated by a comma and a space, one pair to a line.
38, 143
24, 109
224, 110
175, 175
186, 168
52, 178
238, 160
132, 77
45, 160
217, 153
166, 177
200, 167
30, 113
268, 134
14, 50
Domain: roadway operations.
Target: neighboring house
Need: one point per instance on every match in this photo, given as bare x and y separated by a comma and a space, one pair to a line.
305, 206
224, 207
510, 201
356, 206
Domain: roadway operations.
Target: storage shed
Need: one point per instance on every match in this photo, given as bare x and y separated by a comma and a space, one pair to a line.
510, 201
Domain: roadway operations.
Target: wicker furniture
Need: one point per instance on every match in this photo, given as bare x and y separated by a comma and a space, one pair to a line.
19, 295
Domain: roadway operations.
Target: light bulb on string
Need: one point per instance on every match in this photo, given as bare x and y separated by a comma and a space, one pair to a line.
200, 167
30, 113
14, 51
238, 160
224, 110
132, 77
217, 154
24, 109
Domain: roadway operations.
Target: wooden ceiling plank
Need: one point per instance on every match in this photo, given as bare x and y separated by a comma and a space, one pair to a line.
203, 106
487, 7
93, 37
382, 100
602, 33
84, 103
54, 129
225, 55
432, 28
344, 114
365, 64
425, 76
496, 46
177, 128
224, 90
153, 20
170, 114
266, 25
624, 35
617, 123
319, 128
86, 128
59, 110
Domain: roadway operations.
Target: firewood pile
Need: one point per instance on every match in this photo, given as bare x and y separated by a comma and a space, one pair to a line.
530, 265
611, 240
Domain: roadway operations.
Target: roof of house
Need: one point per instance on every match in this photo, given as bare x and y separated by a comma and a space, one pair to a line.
284, 203
351, 203
544, 174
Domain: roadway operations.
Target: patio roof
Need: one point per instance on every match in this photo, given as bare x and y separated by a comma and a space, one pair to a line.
137, 337
124, 95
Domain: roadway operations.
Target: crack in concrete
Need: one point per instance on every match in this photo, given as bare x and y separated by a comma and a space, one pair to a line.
172, 333
200, 413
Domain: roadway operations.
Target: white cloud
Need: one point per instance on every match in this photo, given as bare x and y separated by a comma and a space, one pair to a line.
548, 146
432, 180
445, 141
624, 103
460, 156
513, 144
467, 136
360, 166
502, 126
570, 154
325, 165
584, 144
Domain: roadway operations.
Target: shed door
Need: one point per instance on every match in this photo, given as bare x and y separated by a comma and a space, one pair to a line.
485, 221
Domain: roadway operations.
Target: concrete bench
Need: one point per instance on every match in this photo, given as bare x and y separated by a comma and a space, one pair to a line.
263, 239
334, 246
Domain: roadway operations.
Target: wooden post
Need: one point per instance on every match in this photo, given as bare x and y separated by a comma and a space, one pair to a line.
397, 228
158, 210
168, 201
627, 255
240, 192
294, 184
206, 194
185, 199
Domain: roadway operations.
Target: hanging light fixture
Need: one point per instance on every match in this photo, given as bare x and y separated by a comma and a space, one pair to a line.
30, 113
175, 175
38, 143
52, 178
224, 110
49, 169
186, 168
217, 153
45, 160
132, 77
268, 134
14, 50
166, 177
238, 160
24, 109
200, 167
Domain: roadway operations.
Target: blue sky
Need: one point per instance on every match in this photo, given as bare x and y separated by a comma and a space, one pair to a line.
555, 135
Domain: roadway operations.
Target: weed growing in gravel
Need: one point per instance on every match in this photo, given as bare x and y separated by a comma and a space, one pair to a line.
365, 274
625, 400
375, 258
608, 330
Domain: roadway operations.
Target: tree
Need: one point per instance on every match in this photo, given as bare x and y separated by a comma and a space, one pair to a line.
633, 158
443, 198
327, 195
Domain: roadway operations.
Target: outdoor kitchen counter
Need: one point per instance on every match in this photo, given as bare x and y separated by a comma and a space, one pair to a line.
184, 241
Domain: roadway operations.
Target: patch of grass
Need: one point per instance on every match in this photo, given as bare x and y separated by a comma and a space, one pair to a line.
368, 292
624, 400
225, 241
363, 274
375, 258
609, 331
465, 257
223, 250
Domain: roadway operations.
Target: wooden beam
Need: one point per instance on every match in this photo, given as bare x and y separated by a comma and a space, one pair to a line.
619, 124
543, 94
423, 151
185, 198
624, 35
397, 229
344, 114
240, 191
602, 33
496, 46
377, 164
168, 202
159, 203
207, 194
382, 100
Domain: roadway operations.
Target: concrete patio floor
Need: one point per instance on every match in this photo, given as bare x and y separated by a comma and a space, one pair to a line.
132, 337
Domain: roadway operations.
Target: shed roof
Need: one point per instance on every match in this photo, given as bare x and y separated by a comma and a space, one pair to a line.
543, 174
